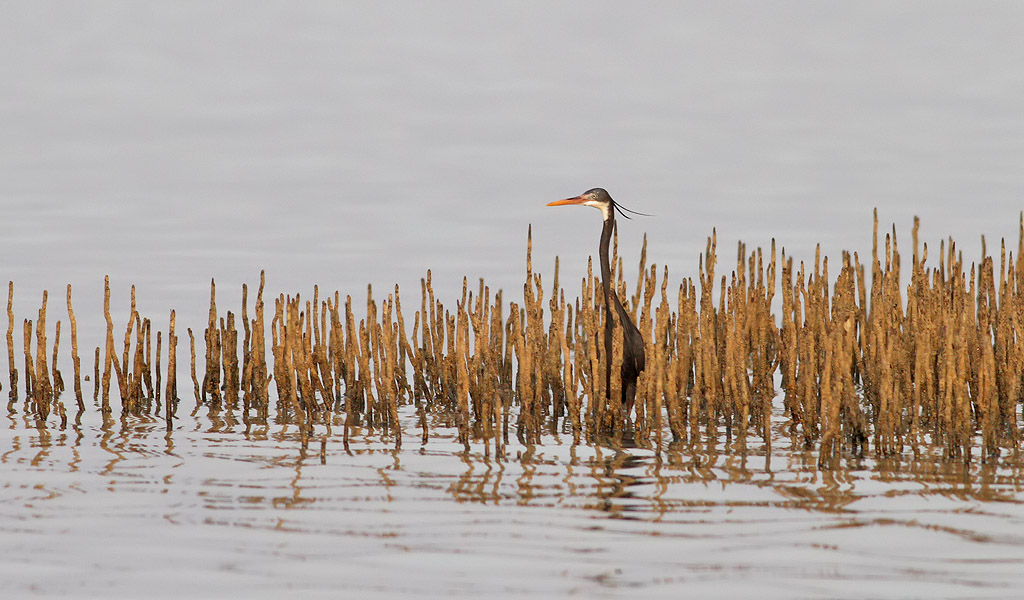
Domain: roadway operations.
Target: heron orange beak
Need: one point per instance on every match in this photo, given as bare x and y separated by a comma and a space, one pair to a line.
576, 200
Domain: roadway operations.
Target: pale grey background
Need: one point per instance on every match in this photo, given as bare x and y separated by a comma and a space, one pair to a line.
346, 143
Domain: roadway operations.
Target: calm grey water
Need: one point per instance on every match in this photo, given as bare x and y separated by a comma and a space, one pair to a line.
343, 144
122, 509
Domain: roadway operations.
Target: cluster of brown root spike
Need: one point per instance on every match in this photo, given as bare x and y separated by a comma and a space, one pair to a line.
865, 363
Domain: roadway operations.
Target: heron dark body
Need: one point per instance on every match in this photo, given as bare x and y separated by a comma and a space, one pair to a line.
633, 355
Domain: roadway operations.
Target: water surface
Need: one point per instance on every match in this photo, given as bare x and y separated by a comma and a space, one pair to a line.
124, 508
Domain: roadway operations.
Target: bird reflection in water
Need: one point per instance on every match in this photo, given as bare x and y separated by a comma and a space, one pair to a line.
616, 491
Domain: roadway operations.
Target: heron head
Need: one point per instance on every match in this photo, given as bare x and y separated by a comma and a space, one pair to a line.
596, 197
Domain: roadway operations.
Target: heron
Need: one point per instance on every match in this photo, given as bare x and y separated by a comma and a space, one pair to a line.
633, 356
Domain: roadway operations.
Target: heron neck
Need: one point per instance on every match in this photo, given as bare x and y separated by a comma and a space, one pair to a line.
606, 269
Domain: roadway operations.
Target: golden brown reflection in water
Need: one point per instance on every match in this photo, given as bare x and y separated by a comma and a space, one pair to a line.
617, 477
629, 482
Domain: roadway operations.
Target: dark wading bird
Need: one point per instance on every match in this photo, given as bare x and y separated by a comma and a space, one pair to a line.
633, 358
